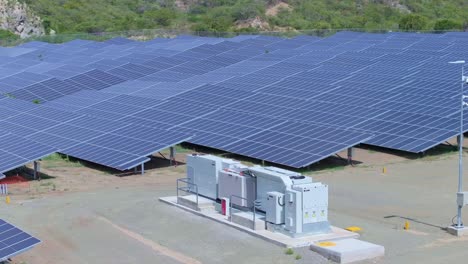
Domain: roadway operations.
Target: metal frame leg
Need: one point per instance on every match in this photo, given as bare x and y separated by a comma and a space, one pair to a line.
35, 170
171, 156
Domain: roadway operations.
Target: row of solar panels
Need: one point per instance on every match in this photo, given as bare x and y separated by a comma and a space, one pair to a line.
391, 90
14, 241
30, 132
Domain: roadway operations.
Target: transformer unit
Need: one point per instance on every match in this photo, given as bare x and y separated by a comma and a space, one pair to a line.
302, 205
270, 179
306, 209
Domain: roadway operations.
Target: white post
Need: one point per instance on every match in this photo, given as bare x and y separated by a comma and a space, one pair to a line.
459, 224
460, 153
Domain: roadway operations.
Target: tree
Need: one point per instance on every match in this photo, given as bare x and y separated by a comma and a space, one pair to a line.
322, 27
447, 24
162, 17
413, 22
246, 10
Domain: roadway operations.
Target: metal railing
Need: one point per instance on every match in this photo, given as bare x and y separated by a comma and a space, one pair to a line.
242, 198
187, 188
4, 189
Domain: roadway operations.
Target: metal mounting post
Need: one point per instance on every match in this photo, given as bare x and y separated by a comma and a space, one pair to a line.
35, 170
350, 156
172, 155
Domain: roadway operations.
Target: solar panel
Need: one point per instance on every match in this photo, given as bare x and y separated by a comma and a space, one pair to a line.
25, 95
40, 92
14, 241
58, 142
125, 74
16, 151
86, 82
9, 52
108, 157
396, 87
97, 124
72, 132
31, 121
104, 77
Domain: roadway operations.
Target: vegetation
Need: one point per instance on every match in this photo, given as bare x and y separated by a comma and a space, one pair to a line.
5, 34
289, 251
57, 160
90, 16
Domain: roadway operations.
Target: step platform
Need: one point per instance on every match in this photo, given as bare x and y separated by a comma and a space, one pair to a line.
246, 219
190, 201
348, 250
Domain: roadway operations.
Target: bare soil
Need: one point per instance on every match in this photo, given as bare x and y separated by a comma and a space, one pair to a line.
274, 9
85, 213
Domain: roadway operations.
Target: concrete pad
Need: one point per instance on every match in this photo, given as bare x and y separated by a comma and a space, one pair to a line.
246, 219
272, 237
190, 201
457, 231
349, 250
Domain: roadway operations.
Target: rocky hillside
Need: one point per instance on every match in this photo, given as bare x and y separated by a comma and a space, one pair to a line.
16, 17
215, 16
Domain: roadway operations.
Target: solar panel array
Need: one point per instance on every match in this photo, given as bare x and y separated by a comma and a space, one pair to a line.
289, 101
33, 131
14, 241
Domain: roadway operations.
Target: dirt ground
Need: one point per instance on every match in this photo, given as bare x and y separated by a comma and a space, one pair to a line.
87, 214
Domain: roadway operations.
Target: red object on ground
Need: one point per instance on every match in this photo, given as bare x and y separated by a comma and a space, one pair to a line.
223, 206
13, 180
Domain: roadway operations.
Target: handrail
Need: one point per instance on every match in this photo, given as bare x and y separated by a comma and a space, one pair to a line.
242, 198
186, 188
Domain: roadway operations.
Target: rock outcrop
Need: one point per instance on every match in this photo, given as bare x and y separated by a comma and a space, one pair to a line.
17, 18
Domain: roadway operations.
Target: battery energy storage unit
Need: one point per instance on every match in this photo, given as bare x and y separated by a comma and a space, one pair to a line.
238, 183
203, 172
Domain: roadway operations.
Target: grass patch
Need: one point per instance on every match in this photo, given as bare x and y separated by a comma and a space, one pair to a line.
59, 160
181, 149
46, 183
298, 257
289, 251
54, 157
49, 184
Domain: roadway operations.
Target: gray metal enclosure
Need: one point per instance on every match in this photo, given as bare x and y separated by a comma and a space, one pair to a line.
234, 184
293, 204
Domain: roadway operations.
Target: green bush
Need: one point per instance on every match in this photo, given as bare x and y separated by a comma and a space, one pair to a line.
321, 25
447, 24
246, 10
5, 34
413, 22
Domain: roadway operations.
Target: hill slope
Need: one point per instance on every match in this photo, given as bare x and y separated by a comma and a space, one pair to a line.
70, 16
17, 18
